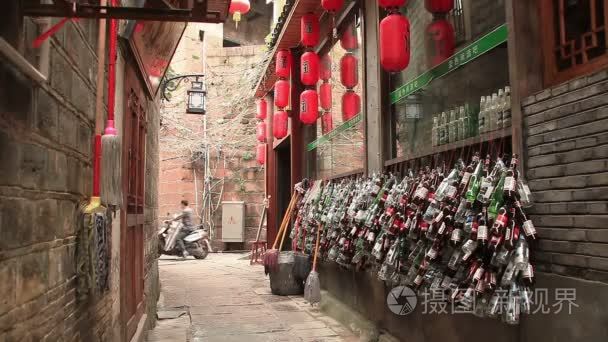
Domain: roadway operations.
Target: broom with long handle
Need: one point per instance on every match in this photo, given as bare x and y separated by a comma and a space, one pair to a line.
272, 255
312, 289
110, 141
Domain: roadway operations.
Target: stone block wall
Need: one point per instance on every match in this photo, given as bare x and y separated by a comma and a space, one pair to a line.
45, 172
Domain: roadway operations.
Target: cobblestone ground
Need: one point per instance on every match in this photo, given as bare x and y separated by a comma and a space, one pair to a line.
224, 299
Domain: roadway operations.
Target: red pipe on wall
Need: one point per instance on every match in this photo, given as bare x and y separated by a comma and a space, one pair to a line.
112, 73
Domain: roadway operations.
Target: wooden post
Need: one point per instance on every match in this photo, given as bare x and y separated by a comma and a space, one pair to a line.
297, 129
525, 64
373, 100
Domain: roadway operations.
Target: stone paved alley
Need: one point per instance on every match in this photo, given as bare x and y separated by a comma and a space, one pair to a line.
225, 299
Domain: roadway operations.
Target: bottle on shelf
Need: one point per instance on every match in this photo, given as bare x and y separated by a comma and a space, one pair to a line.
453, 126
443, 129
482, 115
492, 113
506, 110
500, 105
463, 121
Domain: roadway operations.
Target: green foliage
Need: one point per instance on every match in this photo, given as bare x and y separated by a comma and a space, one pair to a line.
247, 156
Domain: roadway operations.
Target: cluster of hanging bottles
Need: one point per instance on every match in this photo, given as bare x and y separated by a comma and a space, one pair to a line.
462, 232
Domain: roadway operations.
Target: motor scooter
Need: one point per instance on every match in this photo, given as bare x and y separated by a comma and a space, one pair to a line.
196, 243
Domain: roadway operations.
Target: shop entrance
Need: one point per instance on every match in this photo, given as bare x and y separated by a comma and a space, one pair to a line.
283, 153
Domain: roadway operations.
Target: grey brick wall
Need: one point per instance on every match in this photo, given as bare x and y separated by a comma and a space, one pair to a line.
566, 133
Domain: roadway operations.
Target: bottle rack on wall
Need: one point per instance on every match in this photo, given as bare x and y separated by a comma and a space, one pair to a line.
494, 143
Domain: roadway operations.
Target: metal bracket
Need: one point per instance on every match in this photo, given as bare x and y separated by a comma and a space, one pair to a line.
171, 84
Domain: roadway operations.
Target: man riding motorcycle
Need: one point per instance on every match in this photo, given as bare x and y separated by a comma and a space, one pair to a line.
188, 227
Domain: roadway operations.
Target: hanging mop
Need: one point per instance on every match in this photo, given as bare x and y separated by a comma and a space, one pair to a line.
111, 146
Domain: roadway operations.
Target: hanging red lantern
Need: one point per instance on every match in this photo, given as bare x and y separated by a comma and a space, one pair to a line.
394, 42
325, 67
281, 93
440, 41
309, 68
439, 6
283, 63
309, 30
261, 131
261, 154
351, 105
349, 70
349, 40
279, 124
386, 4
238, 8
262, 109
327, 123
309, 107
325, 96
332, 5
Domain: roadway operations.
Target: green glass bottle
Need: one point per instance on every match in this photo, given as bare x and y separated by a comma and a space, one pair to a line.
498, 197
475, 183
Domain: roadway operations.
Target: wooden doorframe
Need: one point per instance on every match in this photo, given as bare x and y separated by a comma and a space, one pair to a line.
132, 213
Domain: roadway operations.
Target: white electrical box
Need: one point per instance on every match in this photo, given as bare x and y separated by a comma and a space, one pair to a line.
233, 221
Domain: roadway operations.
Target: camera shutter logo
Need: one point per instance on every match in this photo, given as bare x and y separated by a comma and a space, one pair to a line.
401, 300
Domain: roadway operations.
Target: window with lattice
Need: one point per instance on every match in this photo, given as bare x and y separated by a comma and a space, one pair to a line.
574, 38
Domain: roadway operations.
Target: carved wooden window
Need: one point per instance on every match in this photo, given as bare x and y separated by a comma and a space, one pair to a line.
574, 38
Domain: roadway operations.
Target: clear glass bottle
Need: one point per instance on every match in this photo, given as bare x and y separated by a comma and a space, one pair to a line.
482, 115
453, 126
506, 116
463, 123
443, 128
500, 106
492, 112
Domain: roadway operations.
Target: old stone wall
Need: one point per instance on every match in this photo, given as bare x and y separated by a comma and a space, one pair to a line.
46, 133
234, 174
45, 172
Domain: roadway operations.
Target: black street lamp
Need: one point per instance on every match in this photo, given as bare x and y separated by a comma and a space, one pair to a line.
197, 94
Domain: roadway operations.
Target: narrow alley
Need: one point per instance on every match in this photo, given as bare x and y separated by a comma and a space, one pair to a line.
223, 298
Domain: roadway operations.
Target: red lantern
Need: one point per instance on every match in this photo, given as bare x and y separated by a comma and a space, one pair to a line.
325, 96
261, 154
309, 68
279, 124
439, 6
349, 40
351, 105
332, 5
262, 109
283, 63
391, 3
309, 107
440, 41
238, 8
281, 93
349, 71
327, 123
394, 42
261, 131
309, 30
325, 68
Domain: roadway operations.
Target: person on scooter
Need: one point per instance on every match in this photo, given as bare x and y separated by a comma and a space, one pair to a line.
188, 227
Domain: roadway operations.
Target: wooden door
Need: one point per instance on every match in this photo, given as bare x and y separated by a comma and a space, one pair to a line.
132, 232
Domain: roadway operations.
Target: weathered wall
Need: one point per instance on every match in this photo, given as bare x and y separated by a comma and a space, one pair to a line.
234, 174
45, 171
